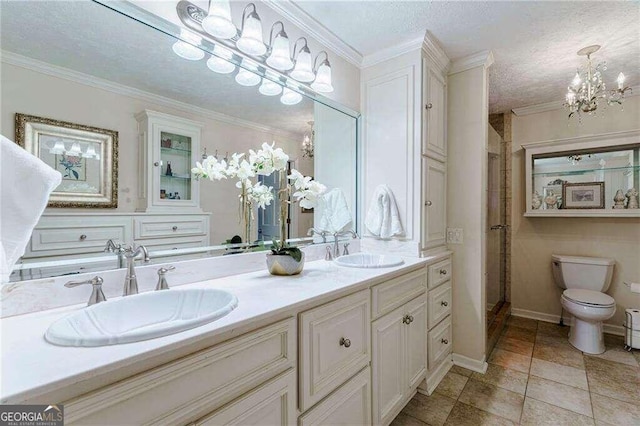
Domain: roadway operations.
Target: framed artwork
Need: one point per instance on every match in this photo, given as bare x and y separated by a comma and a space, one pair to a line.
87, 158
586, 195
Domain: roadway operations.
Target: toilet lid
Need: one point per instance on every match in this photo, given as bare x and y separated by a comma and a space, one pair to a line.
589, 297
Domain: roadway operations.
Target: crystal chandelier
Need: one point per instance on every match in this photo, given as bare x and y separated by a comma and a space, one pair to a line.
308, 142
587, 87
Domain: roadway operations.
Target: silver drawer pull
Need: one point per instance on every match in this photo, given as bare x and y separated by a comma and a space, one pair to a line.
345, 342
429, 105
83, 237
410, 318
405, 319
428, 203
174, 228
444, 303
445, 341
443, 272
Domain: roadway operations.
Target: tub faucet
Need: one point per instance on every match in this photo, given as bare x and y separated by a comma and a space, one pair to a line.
130, 280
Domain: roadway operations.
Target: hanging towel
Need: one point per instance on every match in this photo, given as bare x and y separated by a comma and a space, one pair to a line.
25, 185
336, 216
383, 218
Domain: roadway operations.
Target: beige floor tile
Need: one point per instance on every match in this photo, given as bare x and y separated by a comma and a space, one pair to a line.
504, 378
432, 410
519, 333
538, 413
466, 415
452, 385
529, 324
493, 399
510, 360
558, 350
570, 398
615, 412
559, 373
615, 352
461, 370
551, 329
613, 379
514, 345
405, 420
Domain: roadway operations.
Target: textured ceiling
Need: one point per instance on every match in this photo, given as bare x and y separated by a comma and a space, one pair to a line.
89, 38
533, 43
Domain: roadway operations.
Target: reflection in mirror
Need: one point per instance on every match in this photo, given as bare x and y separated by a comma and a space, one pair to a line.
84, 63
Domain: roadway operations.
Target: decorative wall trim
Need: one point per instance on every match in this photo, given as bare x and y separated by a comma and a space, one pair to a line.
627, 134
555, 105
89, 80
434, 52
479, 366
484, 58
315, 29
618, 330
391, 52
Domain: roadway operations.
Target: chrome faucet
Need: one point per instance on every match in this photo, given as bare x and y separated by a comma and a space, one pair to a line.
131, 281
118, 249
336, 246
315, 231
97, 295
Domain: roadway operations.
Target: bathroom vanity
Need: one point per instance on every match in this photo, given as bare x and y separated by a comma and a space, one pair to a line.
334, 345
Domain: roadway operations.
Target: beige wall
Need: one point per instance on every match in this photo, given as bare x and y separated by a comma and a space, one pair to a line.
535, 239
466, 206
33, 93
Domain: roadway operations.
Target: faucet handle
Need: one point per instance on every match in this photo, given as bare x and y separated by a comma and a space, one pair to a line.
97, 294
346, 249
328, 256
162, 280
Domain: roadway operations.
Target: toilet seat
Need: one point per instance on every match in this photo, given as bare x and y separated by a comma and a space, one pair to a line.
589, 298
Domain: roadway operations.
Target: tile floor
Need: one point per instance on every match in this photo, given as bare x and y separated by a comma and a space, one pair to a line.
535, 377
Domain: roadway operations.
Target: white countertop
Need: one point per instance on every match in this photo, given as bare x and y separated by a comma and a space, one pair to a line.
32, 368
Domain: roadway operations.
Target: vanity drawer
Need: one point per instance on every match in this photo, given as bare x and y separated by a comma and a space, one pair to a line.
439, 304
175, 243
439, 345
439, 273
169, 226
394, 293
335, 343
191, 387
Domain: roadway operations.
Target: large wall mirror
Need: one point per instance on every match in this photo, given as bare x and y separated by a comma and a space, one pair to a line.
114, 66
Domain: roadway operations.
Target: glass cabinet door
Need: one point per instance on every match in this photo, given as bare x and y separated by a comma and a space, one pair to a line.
176, 159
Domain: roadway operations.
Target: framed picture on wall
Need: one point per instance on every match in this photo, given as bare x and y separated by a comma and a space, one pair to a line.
585, 195
87, 158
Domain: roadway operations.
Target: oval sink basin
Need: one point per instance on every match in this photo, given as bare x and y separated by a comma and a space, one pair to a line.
141, 317
369, 260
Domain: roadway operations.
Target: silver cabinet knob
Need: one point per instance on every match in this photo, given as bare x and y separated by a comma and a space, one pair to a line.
345, 342
174, 228
428, 203
444, 303
83, 237
445, 341
429, 105
405, 319
157, 164
410, 318
443, 272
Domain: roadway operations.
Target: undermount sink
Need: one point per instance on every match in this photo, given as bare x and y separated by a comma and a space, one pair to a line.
369, 260
141, 317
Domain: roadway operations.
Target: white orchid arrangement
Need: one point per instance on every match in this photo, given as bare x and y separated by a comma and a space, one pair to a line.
268, 160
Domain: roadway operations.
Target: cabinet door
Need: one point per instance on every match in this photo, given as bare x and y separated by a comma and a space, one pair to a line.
388, 366
416, 336
435, 144
435, 203
270, 404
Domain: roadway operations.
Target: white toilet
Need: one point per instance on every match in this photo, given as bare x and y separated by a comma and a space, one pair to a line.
585, 280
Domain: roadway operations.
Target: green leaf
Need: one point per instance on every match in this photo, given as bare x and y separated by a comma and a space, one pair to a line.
295, 253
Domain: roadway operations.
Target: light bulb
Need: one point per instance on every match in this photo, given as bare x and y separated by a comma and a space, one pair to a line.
322, 82
250, 41
246, 77
303, 70
269, 88
620, 81
188, 50
576, 80
280, 58
218, 21
219, 62
289, 97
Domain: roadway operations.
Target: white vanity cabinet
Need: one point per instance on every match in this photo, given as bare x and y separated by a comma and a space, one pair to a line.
434, 204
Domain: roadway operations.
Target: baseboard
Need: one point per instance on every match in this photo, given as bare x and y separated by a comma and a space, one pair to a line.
428, 385
479, 366
617, 330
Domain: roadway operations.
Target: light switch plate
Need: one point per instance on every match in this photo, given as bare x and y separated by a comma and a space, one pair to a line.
455, 236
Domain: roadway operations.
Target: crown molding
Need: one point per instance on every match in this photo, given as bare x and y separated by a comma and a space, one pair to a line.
89, 80
315, 29
555, 105
484, 58
392, 52
434, 52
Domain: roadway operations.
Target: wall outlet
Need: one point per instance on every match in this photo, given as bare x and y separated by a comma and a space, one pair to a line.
455, 236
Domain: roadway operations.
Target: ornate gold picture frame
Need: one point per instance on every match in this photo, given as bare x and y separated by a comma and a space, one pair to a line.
87, 158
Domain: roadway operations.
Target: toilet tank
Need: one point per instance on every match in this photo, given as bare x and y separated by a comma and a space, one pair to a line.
589, 273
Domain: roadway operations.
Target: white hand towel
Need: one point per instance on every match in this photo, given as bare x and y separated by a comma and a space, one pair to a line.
336, 216
383, 218
634, 287
25, 185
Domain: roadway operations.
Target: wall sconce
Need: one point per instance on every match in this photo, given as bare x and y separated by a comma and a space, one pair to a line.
250, 41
